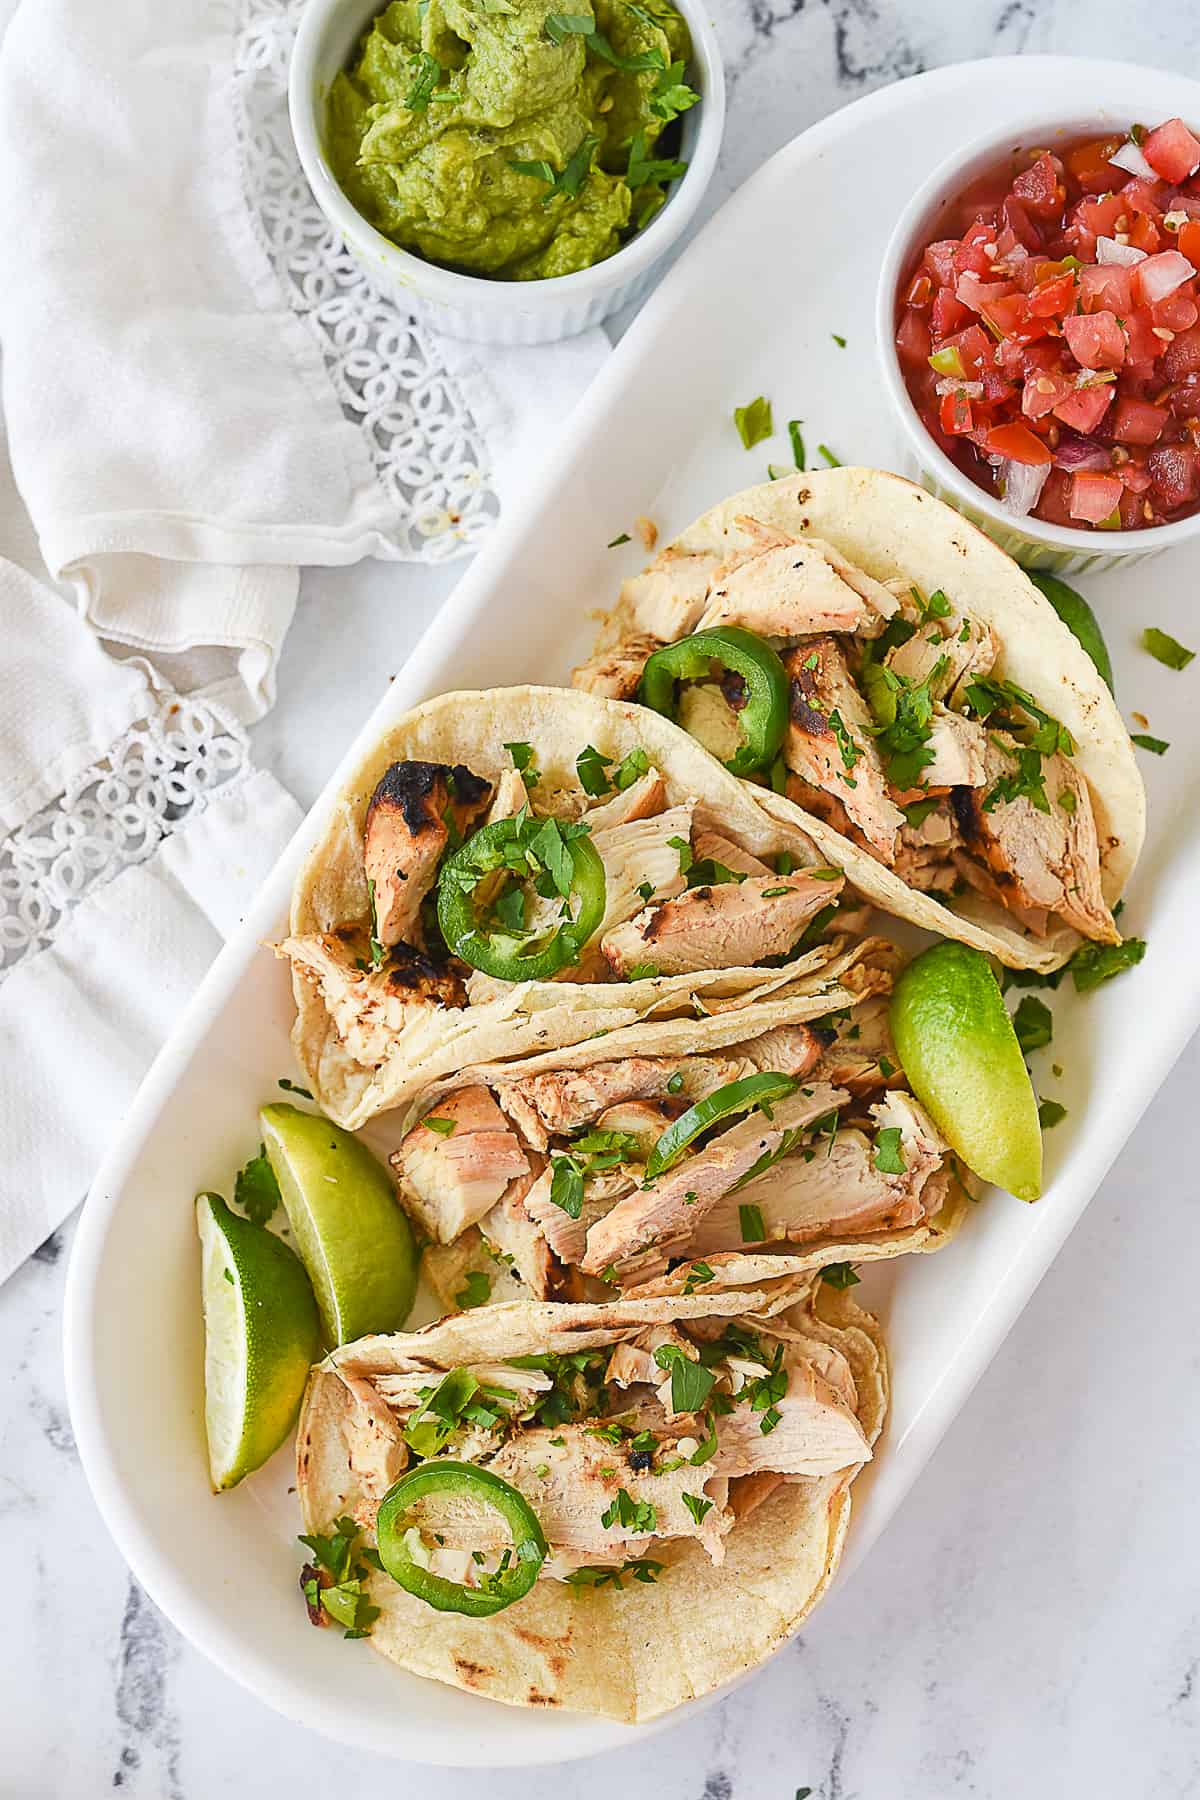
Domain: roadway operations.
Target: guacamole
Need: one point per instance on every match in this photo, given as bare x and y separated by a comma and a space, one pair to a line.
504, 140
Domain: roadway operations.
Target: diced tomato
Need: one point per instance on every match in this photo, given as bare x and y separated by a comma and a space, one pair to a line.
1135, 476
1039, 189
1089, 164
939, 260
1094, 497
1018, 444
1043, 390
1053, 298
1142, 348
1084, 407
1172, 470
1188, 242
920, 290
948, 315
1131, 510
1016, 219
1136, 421
1184, 400
1010, 315
1143, 233
1178, 312
1140, 195
997, 388
1098, 218
1182, 357
912, 339
1106, 286
971, 291
955, 413
972, 255
1096, 339
974, 347
1172, 151
1054, 504
1159, 276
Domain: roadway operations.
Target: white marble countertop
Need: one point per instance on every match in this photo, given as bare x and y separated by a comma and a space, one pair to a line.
1030, 1624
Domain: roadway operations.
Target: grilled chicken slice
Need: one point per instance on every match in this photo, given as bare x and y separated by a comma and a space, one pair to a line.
406, 834
638, 853
959, 747
862, 1056
517, 1237
643, 1120
730, 926
632, 1362
839, 1193
1044, 861
566, 1100
371, 1007
829, 728
583, 1475
795, 590
614, 673
711, 846
667, 598
449, 1180
817, 1433
671, 1209
646, 796
375, 1446
567, 1237
510, 796
967, 646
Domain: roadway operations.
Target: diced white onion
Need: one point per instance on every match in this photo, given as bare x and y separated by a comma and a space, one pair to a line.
973, 390
1161, 274
1109, 251
1023, 484
1130, 157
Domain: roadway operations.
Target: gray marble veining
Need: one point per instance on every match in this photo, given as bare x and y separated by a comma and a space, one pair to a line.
1029, 1625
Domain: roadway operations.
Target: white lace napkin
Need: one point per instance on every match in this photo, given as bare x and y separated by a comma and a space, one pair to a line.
137, 832
202, 390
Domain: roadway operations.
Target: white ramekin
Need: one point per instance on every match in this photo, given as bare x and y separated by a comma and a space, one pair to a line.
468, 306
1035, 543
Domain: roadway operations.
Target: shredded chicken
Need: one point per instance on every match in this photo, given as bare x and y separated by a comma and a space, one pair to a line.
734, 925
450, 1179
959, 747
567, 1237
711, 846
640, 854
641, 800
1044, 861
406, 833
510, 1229
667, 598
816, 1433
830, 742
371, 1008
966, 646
670, 1209
614, 673
794, 590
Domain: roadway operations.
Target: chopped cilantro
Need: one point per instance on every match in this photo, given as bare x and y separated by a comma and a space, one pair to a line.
833, 461
621, 538
675, 1082
443, 1127
475, 1291
840, 1275
256, 1190
645, 891
592, 768
753, 421
631, 1514
1158, 746
850, 751
1033, 1023
697, 1505
570, 178
643, 169
697, 1275
751, 1221
291, 1087
685, 853
344, 1599
523, 763
671, 95
1166, 649
646, 971
1093, 964
838, 339
377, 950
630, 769
691, 1382
426, 72
642, 1568
1050, 1114
796, 436
889, 1153
919, 811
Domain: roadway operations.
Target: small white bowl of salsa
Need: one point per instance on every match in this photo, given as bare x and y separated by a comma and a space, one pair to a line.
1038, 319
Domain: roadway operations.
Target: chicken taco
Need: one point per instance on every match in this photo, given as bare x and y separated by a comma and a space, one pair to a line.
542, 1491
515, 871
900, 690
581, 1172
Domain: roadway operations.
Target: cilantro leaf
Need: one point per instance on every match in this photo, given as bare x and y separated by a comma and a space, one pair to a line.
377, 950
631, 1514
523, 763
754, 421
592, 768
631, 768
643, 168
566, 1185
475, 1291
840, 1275
256, 1190
1158, 746
1050, 1114
292, 1087
426, 72
797, 439
569, 179
1093, 964
750, 1220
1166, 649
889, 1154
671, 95
691, 1382
642, 1568
443, 1127
1033, 1023
697, 1505
622, 537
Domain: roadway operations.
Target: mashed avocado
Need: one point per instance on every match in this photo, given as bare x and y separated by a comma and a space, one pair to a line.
505, 140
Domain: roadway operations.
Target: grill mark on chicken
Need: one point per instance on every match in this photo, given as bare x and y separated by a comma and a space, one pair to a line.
820, 685
616, 673
406, 834
413, 975
716, 927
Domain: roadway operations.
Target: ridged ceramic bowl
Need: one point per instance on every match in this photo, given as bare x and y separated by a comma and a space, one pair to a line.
1032, 541
470, 306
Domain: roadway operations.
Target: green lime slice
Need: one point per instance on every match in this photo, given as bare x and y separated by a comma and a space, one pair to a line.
352, 1234
1078, 618
959, 1050
261, 1336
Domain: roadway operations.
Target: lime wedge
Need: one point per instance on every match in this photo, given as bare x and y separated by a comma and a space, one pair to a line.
959, 1050
352, 1234
261, 1336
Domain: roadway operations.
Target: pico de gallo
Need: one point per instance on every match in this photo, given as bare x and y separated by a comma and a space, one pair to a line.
1052, 348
